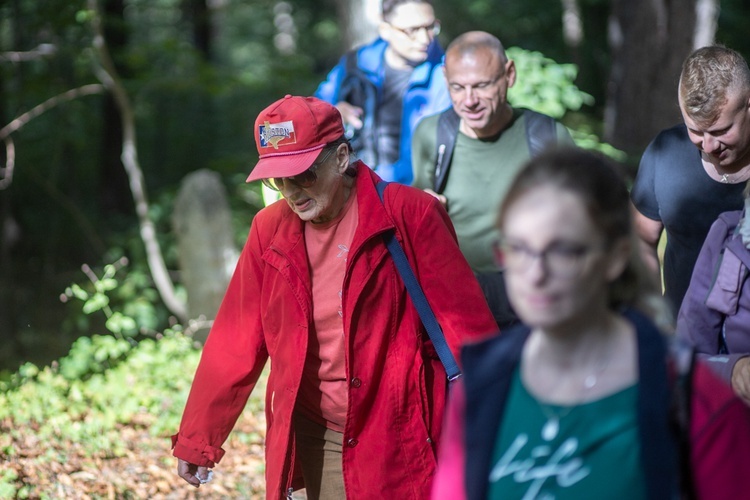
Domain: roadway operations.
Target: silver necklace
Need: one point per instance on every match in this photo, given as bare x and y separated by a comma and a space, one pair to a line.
724, 177
551, 428
733, 178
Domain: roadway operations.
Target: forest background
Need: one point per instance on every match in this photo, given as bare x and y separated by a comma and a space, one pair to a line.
107, 107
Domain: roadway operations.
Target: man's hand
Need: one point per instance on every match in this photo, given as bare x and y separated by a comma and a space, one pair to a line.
441, 198
352, 115
194, 475
741, 379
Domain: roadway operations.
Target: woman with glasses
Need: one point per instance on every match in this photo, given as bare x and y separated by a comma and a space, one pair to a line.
575, 402
356, 393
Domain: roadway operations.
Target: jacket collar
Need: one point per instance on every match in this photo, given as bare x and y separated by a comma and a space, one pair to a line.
374, 220
371, 59
373, 217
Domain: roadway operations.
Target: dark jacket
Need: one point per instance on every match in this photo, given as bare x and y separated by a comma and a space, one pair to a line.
488, 370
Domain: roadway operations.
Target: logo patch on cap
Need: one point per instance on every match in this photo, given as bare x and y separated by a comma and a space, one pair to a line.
277, 134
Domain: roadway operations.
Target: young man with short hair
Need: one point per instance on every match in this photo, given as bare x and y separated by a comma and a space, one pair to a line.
693, 172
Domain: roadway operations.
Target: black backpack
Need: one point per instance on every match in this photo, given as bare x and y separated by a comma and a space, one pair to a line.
358, 90
540, 130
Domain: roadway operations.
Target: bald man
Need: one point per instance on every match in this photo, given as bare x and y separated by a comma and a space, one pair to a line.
491, 145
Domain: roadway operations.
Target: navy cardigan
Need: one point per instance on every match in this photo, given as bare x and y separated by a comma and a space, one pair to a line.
488, 369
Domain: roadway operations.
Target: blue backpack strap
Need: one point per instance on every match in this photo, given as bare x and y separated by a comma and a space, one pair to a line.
418, 298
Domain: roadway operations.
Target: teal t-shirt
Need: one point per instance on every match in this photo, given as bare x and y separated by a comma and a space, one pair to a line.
480, 175
592, 453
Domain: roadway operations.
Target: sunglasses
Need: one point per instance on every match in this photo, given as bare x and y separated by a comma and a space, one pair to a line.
304, 180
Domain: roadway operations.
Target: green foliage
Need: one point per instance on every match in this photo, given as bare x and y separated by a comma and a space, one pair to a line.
548, 87
544, 85
138, 314
7, 483
147, 387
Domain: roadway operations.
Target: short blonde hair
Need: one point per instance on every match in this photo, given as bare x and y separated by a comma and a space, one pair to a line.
708, 76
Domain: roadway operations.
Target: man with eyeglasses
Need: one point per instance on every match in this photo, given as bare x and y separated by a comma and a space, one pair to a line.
384, 88
491, 141
356, 392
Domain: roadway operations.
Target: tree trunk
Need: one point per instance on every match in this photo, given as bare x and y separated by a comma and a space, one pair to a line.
107, 74
360, 19
114, 194
198, 15
9, 228
649, 40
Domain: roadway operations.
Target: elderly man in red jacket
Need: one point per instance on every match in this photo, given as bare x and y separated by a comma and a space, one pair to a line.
355, 395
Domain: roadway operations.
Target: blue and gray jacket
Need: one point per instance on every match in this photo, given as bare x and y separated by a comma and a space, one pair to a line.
427, 94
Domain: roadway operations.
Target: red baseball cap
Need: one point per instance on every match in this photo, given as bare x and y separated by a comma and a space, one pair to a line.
290, 133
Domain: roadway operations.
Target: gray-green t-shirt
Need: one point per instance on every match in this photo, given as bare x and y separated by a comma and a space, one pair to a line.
480, 174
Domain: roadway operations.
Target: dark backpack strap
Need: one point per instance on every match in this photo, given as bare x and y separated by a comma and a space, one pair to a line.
350, 61
447, 131
358, 90
418, 298
541, 130
683, 362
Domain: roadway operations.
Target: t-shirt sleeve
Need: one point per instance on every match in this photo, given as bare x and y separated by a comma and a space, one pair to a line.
643, 193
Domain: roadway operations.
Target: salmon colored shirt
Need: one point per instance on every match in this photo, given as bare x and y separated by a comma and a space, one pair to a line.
322, 395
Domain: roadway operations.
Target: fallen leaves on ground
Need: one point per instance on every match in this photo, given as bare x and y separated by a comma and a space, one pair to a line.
147, 469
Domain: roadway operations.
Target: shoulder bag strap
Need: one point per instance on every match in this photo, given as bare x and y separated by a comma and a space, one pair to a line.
541, 130
683, 360
447, 131
418, 298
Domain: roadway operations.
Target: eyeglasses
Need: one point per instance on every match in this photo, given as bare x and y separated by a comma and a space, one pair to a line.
432, 29
563, 259
304, 180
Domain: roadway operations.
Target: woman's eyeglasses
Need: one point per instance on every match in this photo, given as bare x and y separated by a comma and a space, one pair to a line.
304, 180
563, 259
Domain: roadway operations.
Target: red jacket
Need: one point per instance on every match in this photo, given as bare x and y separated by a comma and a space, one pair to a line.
398, 386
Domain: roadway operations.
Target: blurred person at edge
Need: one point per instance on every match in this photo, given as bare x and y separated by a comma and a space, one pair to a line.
384, 88
356, 393
715, 314
580, 403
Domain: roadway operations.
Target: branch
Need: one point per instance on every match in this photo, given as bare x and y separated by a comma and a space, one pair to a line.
107, 74
6, 172
20, 121
42, 50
